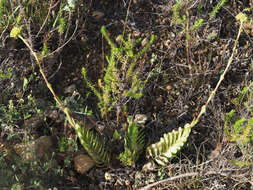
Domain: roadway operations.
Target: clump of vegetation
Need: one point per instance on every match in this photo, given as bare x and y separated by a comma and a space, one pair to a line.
95, 147
239, 124
162, 151
121, 80
16, 172
37, 20
18, 110
40, 22
134, 144
188, 29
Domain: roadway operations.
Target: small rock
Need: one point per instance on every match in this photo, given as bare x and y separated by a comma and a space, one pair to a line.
108, 176
144, 42
127, 183
97, 15
83, 163
53, 114
70, 89
140, 119
41, 148
150, 166
136, 33
34, 122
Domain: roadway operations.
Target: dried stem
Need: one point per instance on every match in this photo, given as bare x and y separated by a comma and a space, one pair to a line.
192, 174
203, 109
57, 99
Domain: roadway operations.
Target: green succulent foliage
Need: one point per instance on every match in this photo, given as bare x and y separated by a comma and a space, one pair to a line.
196, 24
243, 131
181, 19
216, 9
90, 85
95, 147
240, 129
121, 80
134, 144
169, 145
6, 75
238, 125
176, 14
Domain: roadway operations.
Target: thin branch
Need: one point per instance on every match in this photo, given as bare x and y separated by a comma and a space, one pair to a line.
57, 99
203, 109
148, 187
192, 174
45, 21
58, 49
58, 68
53, 6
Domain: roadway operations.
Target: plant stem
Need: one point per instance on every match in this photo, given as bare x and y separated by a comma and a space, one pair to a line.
57, 99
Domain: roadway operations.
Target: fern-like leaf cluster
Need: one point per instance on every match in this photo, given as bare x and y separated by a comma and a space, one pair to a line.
93, 145
134, 144
169, 145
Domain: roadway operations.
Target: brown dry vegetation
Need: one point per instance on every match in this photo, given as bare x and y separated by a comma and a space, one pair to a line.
179, 76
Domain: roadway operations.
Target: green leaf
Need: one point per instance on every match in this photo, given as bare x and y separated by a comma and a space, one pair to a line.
116, 135
44, 50
62, 25
169, 145
25, 84
134, 144
241, 163
93, 145
197, 24
216, 9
